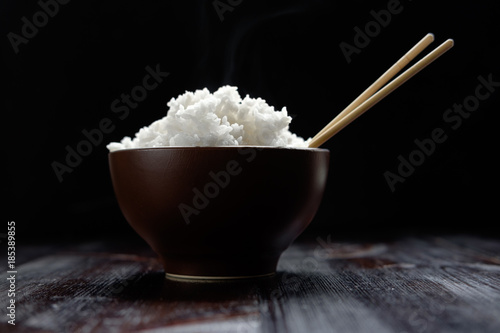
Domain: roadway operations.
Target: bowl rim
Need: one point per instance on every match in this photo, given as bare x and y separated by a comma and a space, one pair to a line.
221, 148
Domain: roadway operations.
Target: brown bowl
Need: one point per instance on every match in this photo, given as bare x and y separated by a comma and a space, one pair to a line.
219, 212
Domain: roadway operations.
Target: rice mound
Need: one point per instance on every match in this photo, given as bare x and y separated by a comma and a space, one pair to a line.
220, 119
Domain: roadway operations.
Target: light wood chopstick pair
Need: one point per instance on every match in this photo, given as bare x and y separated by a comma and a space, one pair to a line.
372, 95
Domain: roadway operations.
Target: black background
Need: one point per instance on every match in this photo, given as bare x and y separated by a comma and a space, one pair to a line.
64, 79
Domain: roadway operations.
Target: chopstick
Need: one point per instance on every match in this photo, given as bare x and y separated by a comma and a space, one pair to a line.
346, 117
383, 79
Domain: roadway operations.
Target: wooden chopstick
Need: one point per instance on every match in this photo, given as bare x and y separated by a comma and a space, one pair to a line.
329, 132
383, 79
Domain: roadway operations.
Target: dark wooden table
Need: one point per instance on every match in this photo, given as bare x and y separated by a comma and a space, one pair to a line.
414, 284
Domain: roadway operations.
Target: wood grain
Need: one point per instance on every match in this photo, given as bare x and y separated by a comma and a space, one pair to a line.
434, 284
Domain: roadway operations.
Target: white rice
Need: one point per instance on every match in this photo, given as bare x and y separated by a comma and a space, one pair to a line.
218, 119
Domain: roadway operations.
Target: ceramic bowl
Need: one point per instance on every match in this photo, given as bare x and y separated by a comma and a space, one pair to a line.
219, 212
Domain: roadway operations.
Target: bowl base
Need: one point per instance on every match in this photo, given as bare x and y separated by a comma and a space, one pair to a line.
201, 278
219, 266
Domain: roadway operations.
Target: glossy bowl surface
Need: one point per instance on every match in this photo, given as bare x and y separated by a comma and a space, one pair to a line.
219, 212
